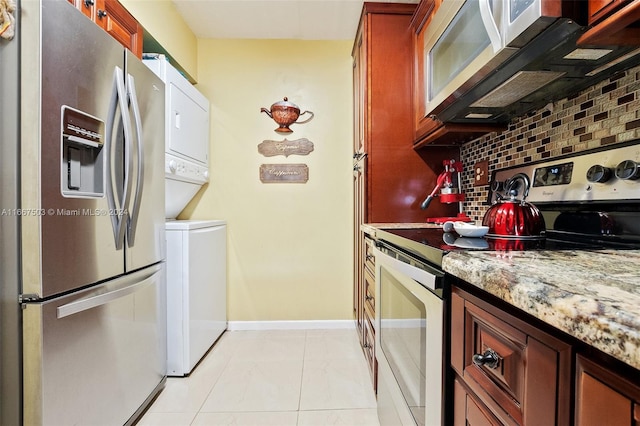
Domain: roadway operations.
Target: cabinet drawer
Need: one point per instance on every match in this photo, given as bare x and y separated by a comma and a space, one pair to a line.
369, 349
519, 374
369, 294
369, 258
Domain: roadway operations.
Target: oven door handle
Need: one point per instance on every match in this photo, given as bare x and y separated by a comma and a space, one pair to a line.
426, 278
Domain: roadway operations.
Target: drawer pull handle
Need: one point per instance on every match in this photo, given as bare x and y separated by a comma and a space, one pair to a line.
370, 256
489, 358
366, 346
367, 298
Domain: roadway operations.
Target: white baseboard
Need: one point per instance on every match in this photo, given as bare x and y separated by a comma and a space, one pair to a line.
290, 325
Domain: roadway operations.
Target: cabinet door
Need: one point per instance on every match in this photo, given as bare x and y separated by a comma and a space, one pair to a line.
120, 24
423, 124
604, 398
518, 372
359, 174
359, 91
599, 9
473, 412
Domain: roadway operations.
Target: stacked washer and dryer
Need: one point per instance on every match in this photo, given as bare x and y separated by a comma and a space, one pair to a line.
196, 249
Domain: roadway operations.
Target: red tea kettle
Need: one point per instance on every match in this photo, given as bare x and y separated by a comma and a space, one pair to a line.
512, 217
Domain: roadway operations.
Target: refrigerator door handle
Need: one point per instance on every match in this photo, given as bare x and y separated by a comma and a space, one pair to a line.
124, 288
135, 209
128, 171
118, 100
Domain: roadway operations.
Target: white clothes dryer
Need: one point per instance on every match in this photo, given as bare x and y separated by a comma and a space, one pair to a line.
196, 290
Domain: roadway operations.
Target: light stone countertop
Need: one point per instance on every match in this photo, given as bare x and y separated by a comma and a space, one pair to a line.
591, 295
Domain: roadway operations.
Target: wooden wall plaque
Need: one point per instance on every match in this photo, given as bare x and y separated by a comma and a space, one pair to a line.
284, 173
271, 148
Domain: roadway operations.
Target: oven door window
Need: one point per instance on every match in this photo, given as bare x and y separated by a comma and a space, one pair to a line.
403, 319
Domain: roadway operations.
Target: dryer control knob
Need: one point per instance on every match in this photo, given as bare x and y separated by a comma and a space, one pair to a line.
173, 166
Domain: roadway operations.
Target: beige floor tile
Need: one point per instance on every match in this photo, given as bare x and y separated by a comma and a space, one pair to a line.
332, 344
287, 418
281, 348
187, 394
263, 377
336, 384
361, 417
166, 419
181, 396
256, 386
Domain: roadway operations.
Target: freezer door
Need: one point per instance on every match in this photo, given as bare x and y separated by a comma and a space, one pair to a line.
95, 357
68, 231
145, 232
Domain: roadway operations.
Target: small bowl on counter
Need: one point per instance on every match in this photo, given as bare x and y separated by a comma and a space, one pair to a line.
465, 229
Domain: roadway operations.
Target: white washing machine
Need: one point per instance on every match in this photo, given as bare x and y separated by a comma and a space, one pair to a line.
196, 290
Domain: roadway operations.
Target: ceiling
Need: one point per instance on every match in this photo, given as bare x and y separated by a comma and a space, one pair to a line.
274, 19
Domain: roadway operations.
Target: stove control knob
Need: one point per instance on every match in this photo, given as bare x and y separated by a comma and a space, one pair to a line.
173, 166
598, 174
628, 170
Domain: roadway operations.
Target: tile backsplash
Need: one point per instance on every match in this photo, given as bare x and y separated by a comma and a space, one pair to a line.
606, 113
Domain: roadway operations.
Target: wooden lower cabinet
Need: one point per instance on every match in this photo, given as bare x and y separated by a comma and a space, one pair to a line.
605, 398
366, 307
513, 373
475, 413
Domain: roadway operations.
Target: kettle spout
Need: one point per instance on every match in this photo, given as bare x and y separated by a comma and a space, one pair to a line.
266, 111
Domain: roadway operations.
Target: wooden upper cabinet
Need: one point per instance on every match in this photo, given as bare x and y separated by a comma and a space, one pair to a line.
429, 130
599, 9
111, 16
615, 22
396, 177
420, 21
120, 24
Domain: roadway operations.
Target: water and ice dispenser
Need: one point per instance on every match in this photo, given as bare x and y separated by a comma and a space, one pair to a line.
83, 154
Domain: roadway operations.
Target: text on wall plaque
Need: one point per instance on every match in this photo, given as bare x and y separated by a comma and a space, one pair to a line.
270, 148
284, 173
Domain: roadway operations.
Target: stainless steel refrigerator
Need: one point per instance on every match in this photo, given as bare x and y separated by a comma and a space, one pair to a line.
82, 223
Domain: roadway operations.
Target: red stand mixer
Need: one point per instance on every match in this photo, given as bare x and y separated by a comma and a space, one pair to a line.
448, 183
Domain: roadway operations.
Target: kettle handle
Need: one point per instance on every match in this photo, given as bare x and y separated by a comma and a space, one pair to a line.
525, 180
308, 119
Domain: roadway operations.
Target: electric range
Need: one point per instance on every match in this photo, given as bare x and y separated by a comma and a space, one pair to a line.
589, 201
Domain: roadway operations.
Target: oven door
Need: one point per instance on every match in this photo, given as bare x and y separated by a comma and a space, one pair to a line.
409, 342
463, 43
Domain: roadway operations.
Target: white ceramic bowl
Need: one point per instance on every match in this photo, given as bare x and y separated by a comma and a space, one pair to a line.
468, 230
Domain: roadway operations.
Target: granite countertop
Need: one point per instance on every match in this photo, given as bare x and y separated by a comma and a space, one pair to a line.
591, 295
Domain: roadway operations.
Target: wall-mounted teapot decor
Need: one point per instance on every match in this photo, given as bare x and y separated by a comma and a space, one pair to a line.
286, 113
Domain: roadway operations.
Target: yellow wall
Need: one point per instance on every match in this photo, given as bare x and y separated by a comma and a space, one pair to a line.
161, 19
289, 245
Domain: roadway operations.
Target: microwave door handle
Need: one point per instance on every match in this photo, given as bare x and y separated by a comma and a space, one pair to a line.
490, 25
135, 209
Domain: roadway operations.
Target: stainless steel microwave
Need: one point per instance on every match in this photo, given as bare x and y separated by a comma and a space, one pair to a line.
468, 39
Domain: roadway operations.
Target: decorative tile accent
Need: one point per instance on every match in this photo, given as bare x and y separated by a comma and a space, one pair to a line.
606, 113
